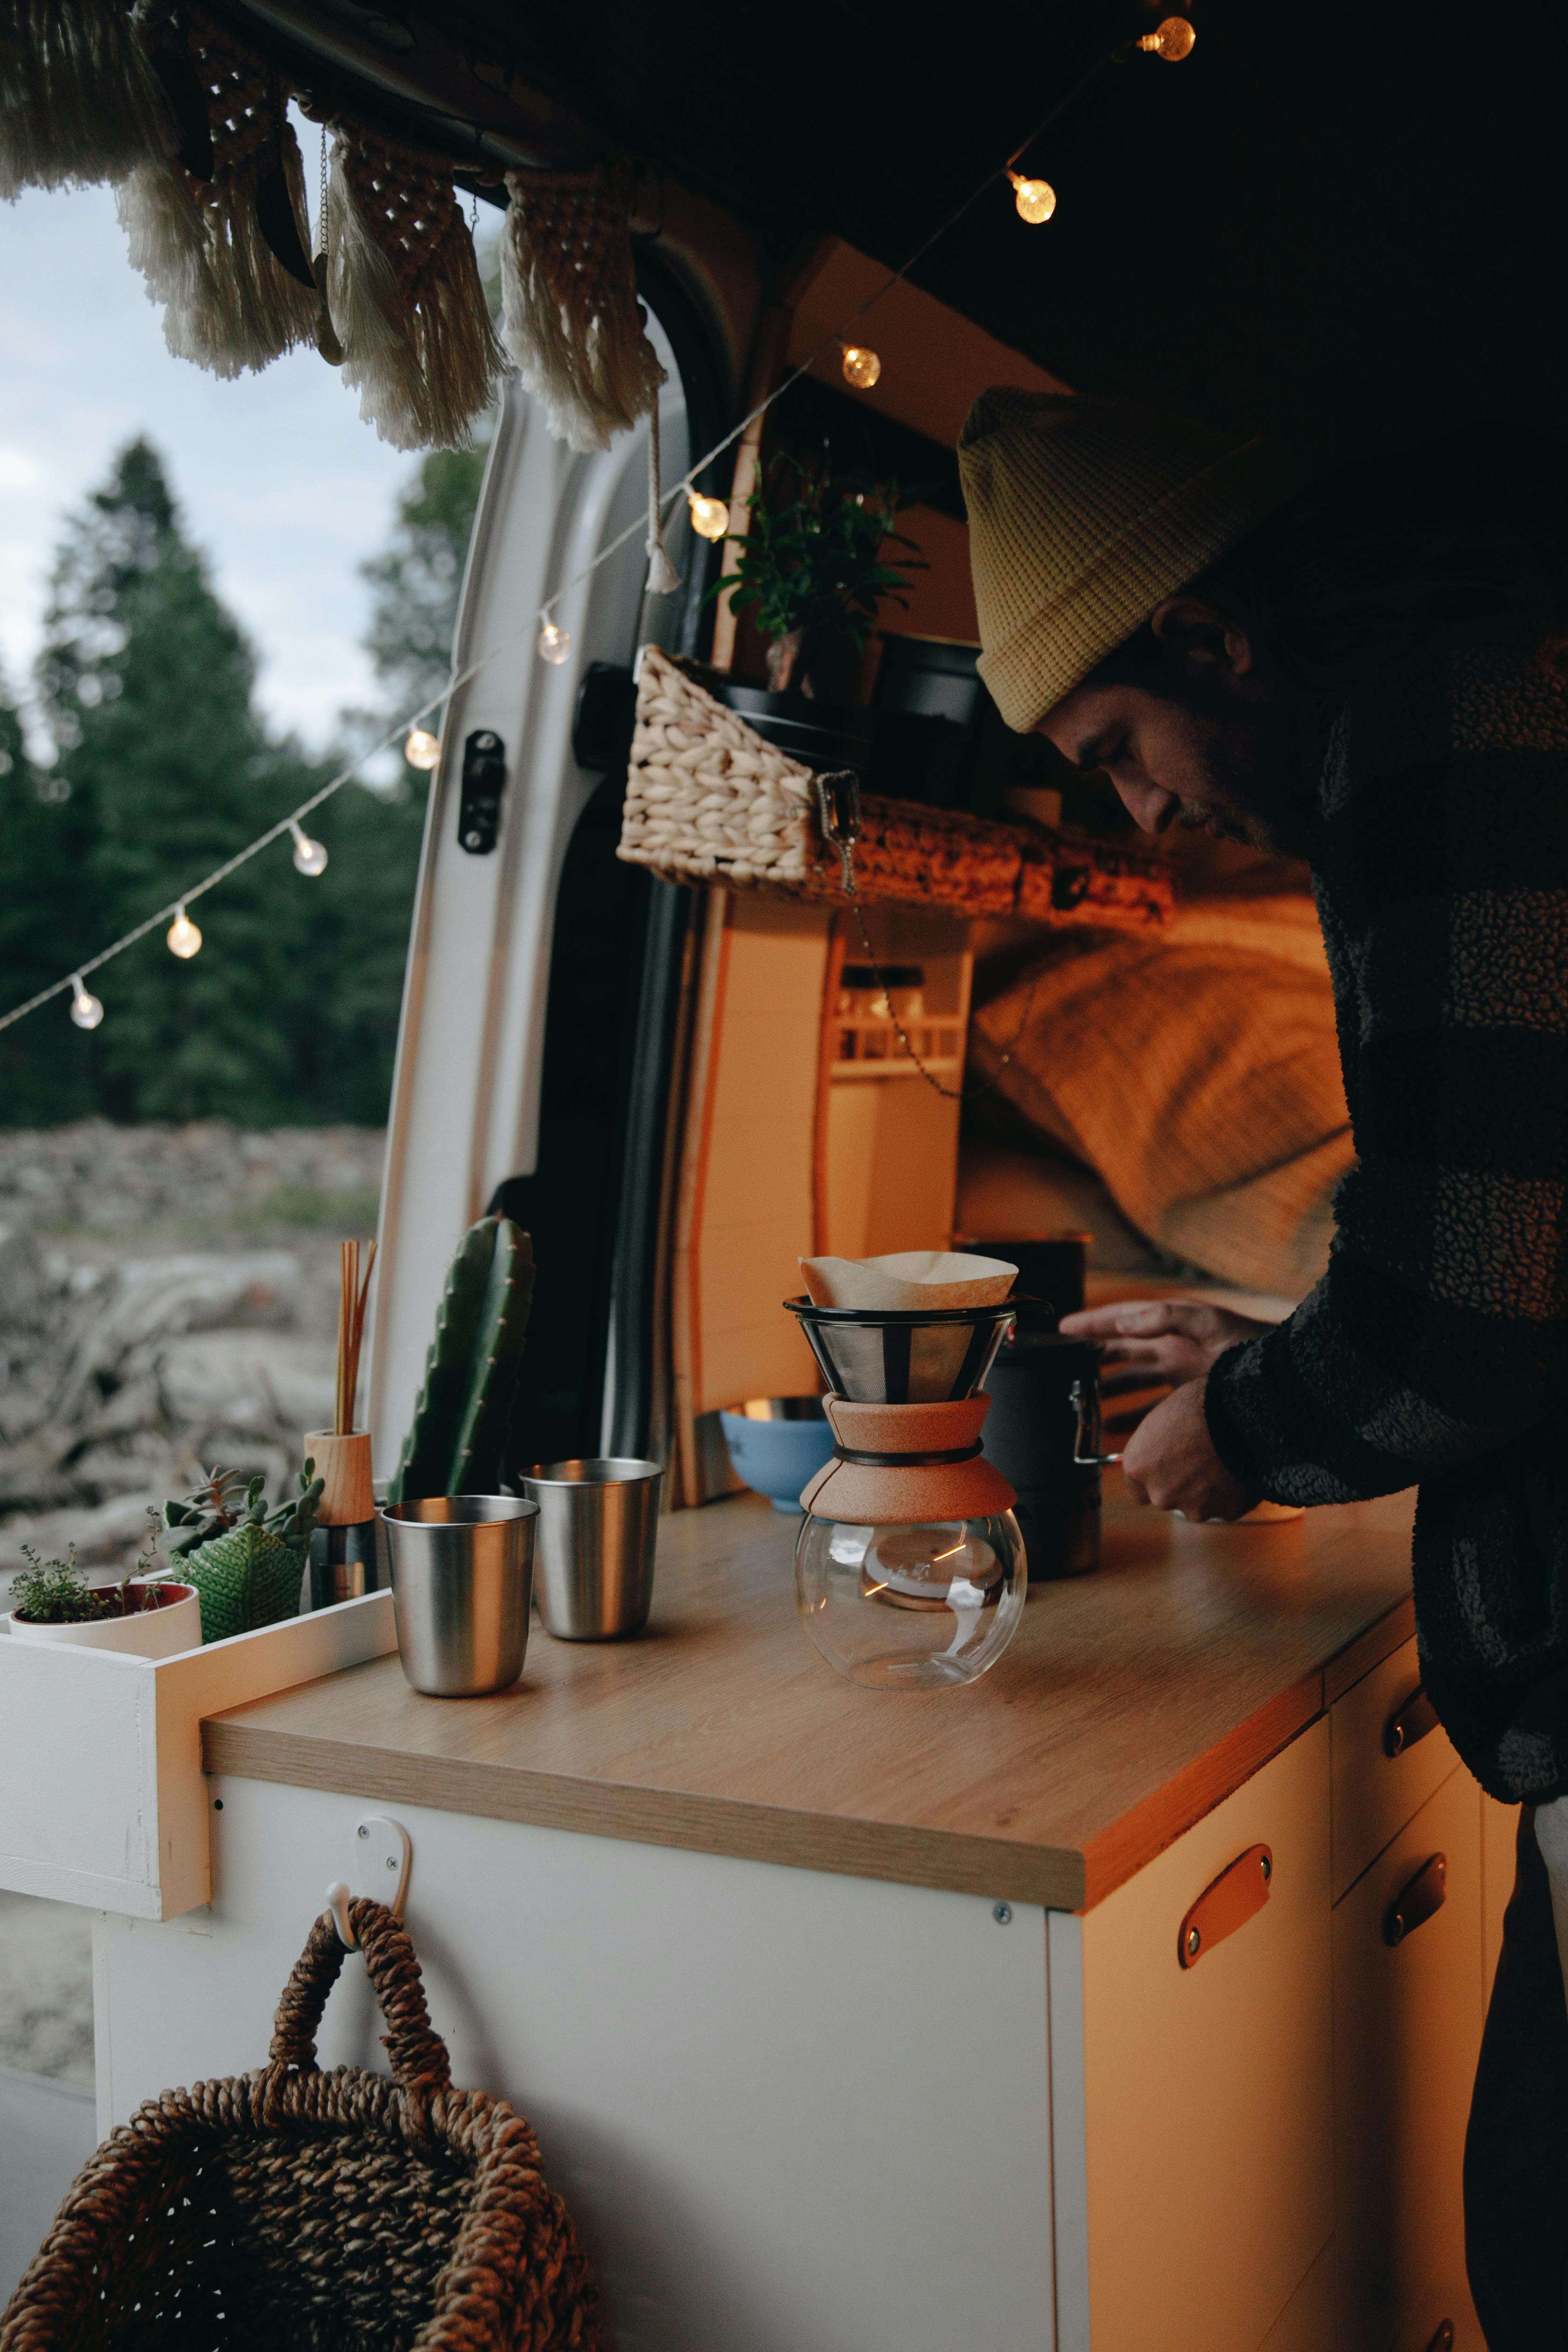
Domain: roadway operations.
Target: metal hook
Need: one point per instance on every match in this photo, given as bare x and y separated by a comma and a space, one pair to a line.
383, 1852
337, 1912
1086, 1454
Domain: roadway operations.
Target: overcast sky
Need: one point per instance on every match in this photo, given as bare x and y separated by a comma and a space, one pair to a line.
279, 482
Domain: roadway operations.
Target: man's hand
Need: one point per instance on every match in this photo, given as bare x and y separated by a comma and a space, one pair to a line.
1171, 1462
1174, 1339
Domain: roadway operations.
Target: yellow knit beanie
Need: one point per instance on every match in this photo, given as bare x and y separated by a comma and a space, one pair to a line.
1084, 513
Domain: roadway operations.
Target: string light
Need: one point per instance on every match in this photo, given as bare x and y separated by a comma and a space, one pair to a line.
309, 856
710, 516
183, 937
86, 1009
1171, 39
1035, 199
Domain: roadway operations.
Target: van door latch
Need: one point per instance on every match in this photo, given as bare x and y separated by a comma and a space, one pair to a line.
484, 782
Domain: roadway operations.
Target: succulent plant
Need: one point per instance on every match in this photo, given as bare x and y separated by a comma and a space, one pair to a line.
457, 1441
245, 1561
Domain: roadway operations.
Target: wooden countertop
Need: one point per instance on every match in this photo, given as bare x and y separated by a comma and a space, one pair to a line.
1130, 1702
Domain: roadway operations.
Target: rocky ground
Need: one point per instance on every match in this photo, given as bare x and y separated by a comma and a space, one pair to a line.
168, 1300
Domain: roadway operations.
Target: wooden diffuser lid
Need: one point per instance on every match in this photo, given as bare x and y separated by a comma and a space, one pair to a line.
344, 1462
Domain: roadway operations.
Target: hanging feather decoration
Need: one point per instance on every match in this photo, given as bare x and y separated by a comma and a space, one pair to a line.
569, 316
78, 100
405, 296
203, 234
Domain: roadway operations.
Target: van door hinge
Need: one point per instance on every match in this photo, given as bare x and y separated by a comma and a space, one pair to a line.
484, 782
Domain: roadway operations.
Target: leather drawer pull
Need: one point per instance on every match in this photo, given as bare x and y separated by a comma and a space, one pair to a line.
1226, 1905
1427, 1892
1415, 1719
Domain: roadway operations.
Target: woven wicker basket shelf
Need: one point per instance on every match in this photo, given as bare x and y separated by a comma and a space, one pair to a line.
707, 800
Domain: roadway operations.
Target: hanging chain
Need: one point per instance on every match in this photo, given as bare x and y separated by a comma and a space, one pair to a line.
321, 198
839, 804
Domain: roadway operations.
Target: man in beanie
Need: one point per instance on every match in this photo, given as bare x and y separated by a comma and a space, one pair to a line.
1364, 671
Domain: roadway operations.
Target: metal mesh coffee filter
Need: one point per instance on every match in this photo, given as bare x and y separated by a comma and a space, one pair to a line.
889, 1356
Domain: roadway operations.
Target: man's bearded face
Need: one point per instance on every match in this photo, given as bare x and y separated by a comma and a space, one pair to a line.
1215, 754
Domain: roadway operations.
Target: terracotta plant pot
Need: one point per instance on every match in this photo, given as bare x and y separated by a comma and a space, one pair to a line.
169, 1621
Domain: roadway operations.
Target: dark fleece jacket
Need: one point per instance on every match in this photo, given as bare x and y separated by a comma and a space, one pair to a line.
1436, 1346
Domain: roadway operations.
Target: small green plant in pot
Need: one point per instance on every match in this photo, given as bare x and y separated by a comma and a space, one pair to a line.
148, 1614
811, 571
247, 1562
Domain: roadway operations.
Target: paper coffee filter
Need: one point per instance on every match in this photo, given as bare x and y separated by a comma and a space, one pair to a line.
908, 1280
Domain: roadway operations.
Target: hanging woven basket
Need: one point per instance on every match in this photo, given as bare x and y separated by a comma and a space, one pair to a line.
707, 800
290, 2211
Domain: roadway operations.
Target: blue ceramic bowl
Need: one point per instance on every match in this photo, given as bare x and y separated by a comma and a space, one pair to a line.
775, 1458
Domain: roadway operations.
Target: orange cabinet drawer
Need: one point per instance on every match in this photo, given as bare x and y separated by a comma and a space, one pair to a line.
1407, 2029
1377, 1792
1445, 2303
1208, 2089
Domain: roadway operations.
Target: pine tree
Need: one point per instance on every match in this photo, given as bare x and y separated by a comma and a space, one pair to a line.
147, 682
164, 768
48, 920
417, 582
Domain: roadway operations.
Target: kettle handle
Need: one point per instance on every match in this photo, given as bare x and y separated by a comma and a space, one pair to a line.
1086, 1454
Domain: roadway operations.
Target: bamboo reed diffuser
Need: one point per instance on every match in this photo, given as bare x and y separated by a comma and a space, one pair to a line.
344, 1549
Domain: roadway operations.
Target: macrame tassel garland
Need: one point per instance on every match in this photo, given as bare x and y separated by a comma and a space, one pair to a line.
229, 303
569, 316
78, 100
662, 577
406, 298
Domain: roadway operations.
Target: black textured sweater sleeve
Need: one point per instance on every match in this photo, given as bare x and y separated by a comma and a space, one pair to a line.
1438, 1332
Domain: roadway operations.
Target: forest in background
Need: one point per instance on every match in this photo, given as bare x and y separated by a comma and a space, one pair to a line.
162, 767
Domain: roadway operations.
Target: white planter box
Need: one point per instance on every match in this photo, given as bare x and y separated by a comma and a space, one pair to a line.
100, 1754
161, 1633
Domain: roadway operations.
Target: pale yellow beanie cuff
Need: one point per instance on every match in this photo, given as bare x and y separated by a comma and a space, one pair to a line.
1141, 560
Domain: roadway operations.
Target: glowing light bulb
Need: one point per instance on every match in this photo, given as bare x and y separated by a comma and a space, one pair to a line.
554, 644
861, 367
309, 856
710, 516
183, 937
86, 1009
1172, 39
422, 750
1035, 199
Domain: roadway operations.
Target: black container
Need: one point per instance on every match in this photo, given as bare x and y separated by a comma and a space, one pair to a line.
818, 734
347, 1562
1030, 1434
1050, 1275
929, 678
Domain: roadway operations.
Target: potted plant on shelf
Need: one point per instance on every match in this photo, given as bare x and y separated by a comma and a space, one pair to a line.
811, 571
246, 1563
145, 1615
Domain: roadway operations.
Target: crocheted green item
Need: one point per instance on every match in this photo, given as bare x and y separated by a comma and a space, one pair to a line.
457, 1441
246, 1563
244, 1579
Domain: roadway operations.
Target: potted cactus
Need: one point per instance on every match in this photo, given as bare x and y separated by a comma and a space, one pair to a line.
457, 1440
245, 1562
145, 1615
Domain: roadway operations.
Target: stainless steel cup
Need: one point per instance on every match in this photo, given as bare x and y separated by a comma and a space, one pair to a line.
462, 1577
594, 1559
